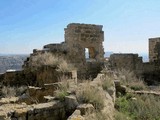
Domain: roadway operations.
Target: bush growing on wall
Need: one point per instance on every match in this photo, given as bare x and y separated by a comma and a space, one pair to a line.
49, 59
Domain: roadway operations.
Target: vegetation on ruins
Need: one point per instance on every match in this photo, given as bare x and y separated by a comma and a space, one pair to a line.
62, 89
138, 107
48, 59
132, 106
98, 116
61, 93
90, 94
129, 79
107, 82
8, 91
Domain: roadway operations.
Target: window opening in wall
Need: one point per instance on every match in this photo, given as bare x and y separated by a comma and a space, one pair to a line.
90, 53
86, 53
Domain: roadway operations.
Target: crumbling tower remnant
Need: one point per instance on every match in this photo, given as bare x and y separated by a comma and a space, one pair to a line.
154, 49
81, 36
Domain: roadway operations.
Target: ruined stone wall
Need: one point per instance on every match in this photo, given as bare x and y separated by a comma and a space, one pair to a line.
39, 77
148, 71
149, 67
43, 111
56, 47
126, 61
81, 36
154, 49
77, 38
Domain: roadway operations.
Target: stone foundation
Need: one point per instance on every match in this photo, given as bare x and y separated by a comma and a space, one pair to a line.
45, 111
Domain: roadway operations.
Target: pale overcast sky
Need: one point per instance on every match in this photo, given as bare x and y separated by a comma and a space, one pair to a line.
29, 24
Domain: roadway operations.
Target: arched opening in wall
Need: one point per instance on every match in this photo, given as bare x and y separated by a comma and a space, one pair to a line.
90, 53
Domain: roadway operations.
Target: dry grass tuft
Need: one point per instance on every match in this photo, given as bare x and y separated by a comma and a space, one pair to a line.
8, 91
51, 60
44, 59
90, 94
62, 89
129, 79
63, 66
107, 82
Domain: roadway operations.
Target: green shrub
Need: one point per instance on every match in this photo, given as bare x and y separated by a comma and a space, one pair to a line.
62, 90
136, 88
61, 95
144, 107
122, 104
121, 116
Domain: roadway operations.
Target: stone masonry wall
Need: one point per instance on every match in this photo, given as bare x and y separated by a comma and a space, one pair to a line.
126, 61
43, 111
149, 71
154, 49
81, 36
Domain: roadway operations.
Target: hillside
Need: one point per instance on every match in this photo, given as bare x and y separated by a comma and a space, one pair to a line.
11, 62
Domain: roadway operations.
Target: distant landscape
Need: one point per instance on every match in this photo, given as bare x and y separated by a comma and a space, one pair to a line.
11, 61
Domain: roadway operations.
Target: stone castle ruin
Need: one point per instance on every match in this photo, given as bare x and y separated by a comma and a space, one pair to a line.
40, 101
78, 38
44, 81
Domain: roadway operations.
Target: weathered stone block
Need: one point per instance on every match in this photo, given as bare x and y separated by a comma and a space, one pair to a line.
71, 102
86, 109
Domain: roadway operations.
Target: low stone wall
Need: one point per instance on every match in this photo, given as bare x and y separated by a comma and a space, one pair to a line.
126, 61
132, 62
39, 77
17, 78
46, 111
